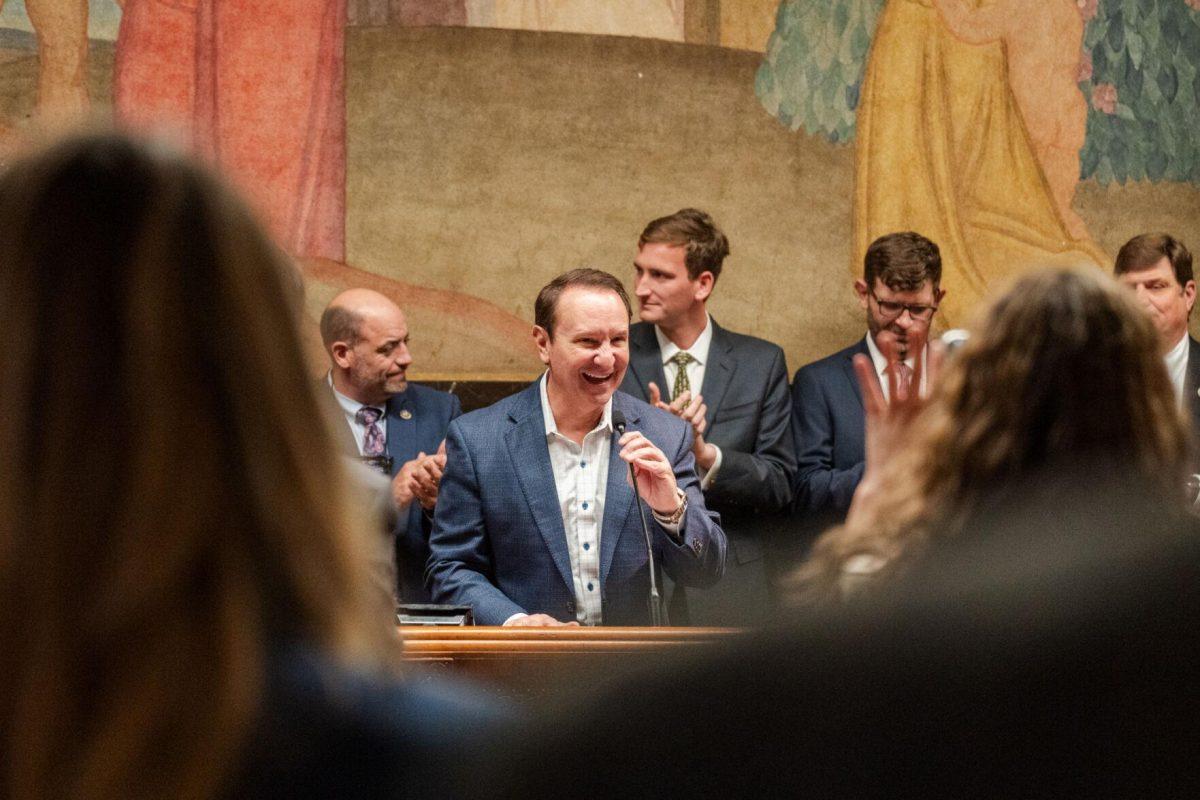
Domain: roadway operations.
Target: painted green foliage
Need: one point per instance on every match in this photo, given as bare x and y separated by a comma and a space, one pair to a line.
1143, 90
813, 67
1140, 72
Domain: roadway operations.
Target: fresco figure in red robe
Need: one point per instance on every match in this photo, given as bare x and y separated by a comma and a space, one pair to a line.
258, 88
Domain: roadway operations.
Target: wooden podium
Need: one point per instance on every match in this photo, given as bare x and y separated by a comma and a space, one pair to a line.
539, 664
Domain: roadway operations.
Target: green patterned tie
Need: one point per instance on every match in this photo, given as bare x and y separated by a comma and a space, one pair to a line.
682, 384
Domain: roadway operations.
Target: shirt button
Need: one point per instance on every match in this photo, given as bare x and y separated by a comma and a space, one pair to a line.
585, 505
591, 587
582, 464
587, 545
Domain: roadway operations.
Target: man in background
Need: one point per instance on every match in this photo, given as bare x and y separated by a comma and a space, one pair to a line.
732, 389
1158, 268
899, 292
391, 425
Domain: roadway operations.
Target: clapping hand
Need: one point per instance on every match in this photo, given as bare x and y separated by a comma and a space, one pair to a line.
692, 410
419, 479
429, 476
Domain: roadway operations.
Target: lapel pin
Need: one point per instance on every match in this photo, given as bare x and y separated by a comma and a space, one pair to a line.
405, 414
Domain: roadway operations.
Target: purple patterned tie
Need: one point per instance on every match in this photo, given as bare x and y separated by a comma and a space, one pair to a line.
373, 442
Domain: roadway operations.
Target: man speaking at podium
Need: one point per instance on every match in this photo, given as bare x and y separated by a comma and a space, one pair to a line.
537, 522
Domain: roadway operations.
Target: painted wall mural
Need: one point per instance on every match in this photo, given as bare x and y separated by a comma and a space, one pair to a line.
971, 119
456, 154
654, 19
258, 90
61, 27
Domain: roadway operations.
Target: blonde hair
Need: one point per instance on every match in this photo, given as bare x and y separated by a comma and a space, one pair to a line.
170, 505
1064, 366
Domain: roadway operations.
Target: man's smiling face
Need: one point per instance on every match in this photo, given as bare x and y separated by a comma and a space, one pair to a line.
589, 351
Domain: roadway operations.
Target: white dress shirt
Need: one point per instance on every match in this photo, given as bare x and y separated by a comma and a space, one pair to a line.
350, 409
1176, 361
581, 478
880, 362
695, 373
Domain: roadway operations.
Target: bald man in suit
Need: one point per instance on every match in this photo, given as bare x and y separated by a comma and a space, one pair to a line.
393, 425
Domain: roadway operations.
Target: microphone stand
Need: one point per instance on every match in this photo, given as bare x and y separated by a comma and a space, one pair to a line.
657, 612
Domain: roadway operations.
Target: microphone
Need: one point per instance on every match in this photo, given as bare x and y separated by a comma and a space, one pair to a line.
656, 608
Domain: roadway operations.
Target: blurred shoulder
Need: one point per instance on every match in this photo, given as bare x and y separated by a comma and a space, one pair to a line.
328, 730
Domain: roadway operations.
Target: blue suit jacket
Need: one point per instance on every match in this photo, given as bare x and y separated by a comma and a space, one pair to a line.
498, 540
829, 427
429, 416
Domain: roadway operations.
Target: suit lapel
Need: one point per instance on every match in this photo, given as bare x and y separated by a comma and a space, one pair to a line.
526, 441
848, 369
618, 494
645, 360
718, 373
402, 433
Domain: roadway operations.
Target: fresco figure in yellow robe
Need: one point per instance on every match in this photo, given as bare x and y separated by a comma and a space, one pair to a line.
1042, 41
944, 148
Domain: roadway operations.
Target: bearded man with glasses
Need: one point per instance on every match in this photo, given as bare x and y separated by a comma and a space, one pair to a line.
900, 292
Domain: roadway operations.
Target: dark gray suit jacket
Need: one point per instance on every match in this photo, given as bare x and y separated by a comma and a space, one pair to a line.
745, 389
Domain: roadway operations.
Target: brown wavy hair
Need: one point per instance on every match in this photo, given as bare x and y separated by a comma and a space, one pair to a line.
1063, 368
170, 505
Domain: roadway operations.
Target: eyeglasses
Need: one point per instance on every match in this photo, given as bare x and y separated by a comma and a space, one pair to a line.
891, 310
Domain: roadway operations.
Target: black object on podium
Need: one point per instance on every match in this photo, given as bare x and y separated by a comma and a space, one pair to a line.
434, 614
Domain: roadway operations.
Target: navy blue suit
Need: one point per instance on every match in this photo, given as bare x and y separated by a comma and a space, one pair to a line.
429, 413
829, 428
498, 540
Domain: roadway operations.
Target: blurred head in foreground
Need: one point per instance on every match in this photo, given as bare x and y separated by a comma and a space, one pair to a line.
167, 516
1011, 663
1063, 370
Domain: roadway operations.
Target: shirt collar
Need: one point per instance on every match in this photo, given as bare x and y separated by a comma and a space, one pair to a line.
349, 405
698, 350
880, 361
548, 413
